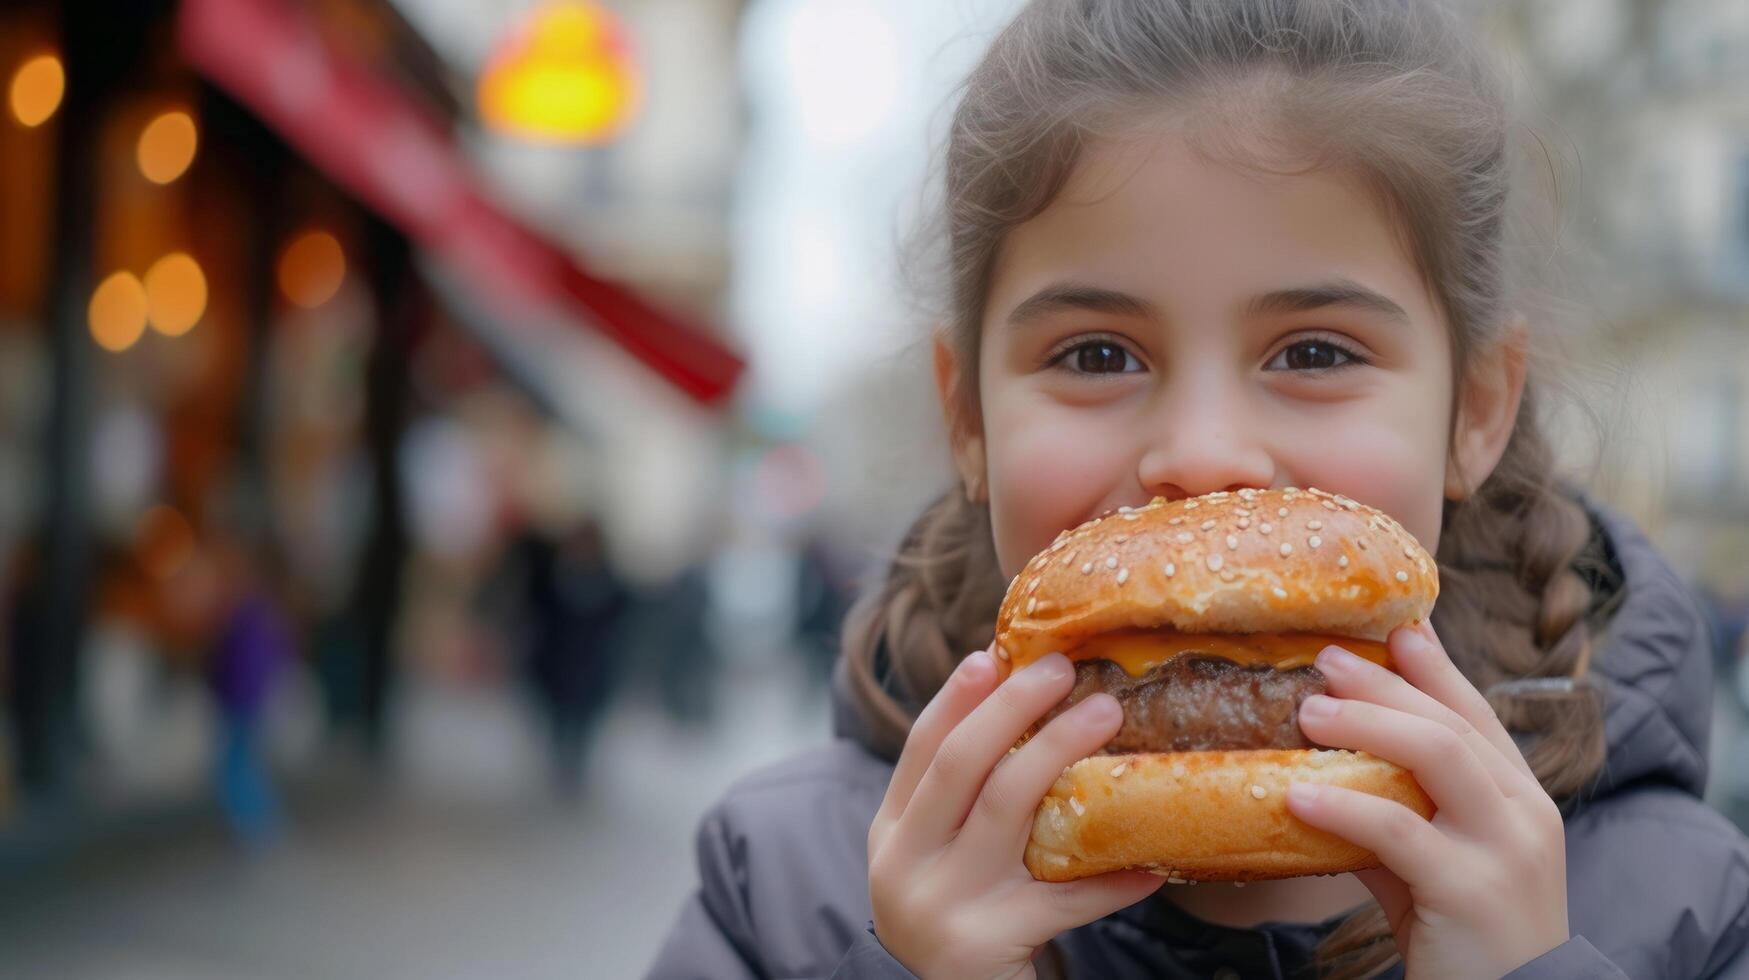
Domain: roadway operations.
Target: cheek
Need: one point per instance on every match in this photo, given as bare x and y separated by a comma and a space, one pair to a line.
1394, 461
1048, 470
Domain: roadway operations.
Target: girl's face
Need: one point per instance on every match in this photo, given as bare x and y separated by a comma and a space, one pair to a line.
1172, 327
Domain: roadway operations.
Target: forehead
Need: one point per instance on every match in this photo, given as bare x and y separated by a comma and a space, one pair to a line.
1150, 214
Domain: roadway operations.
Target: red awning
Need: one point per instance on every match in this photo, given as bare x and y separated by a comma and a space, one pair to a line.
382, 146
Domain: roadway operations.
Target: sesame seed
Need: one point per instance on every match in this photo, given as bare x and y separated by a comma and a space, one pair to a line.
1061, 542
1175, 521
1172, 879
1185, 537
1242, 511
1170, 569
1214, 563
1044, 605
1232, 542
1124, 509
1342, 562
1402, 576
1408, 552
1068, 558
1327, 505
1244, 522
1208, 525
1111, 562
1314, 541
1258, 792
1265, 527
1281, 512
1032, 586
1360, 543
1280, 593
1075, 804
1286, 549
1031, 604
1178, 770
1191, 505
1120, 539
1218, 494
1123, 575
1132, 516
1314, 525
1118, 770
1228, 576
1087, 568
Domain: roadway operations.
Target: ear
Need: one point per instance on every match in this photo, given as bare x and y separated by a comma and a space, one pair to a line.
964, 428
1487, 410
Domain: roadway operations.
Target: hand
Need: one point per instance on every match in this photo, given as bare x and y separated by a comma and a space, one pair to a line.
951, 897
1479, 890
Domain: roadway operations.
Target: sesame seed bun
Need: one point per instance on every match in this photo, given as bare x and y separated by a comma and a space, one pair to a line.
1264, 561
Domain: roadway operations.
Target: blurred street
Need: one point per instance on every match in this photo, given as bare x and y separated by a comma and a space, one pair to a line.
464, 867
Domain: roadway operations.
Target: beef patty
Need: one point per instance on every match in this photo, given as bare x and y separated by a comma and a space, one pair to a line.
1195, 703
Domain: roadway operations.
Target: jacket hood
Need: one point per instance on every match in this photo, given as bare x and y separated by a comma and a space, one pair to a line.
1652, 663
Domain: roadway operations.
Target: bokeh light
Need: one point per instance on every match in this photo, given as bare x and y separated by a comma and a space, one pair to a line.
36, 90
175, 294
118, 312
566, 76
167, 146
311, 269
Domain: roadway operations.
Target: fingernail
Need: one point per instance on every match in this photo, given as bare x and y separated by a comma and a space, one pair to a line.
1302, 794
976, 666
1100, 710
1334, 659
1053, 664
1412, 639
1318, 707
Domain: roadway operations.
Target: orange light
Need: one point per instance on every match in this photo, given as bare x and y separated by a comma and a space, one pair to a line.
164, 541
167, 146
311, 269
37, 88
566, 76
175, 294
118, 312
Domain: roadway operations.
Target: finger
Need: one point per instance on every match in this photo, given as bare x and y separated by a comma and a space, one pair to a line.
1405, 843
1422, 660
1444, 765
1047, 909
1390, 891
963, 762
1001, 819
1354, 677
969, 684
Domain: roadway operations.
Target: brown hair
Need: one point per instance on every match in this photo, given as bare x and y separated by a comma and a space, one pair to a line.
1394, 91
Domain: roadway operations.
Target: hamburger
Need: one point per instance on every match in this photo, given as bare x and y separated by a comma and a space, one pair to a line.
1202, 618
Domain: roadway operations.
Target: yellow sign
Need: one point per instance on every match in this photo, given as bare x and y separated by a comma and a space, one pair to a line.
565, 76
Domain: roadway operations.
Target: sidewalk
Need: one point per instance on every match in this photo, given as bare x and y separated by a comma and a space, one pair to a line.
466, 868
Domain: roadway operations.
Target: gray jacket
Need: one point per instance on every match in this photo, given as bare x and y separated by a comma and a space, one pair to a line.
1658, 883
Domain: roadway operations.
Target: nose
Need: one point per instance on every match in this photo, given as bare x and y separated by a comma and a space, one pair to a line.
1202, 444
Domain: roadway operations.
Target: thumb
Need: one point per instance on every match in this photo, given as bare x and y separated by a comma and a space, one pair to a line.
1068, 904
1390, 891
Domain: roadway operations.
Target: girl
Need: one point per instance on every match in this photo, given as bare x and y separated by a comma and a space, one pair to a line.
1201, 245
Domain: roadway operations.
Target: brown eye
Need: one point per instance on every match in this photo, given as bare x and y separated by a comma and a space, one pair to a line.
1312, 355
1100, 357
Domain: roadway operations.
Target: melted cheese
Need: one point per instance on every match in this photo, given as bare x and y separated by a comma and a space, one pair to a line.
1137, 653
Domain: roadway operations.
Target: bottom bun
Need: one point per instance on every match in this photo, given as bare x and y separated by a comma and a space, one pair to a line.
1204, 816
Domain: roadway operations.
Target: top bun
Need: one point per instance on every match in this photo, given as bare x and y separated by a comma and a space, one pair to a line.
1254, 561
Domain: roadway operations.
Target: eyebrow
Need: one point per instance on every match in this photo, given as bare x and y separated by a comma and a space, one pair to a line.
1332, 292
1068, 296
